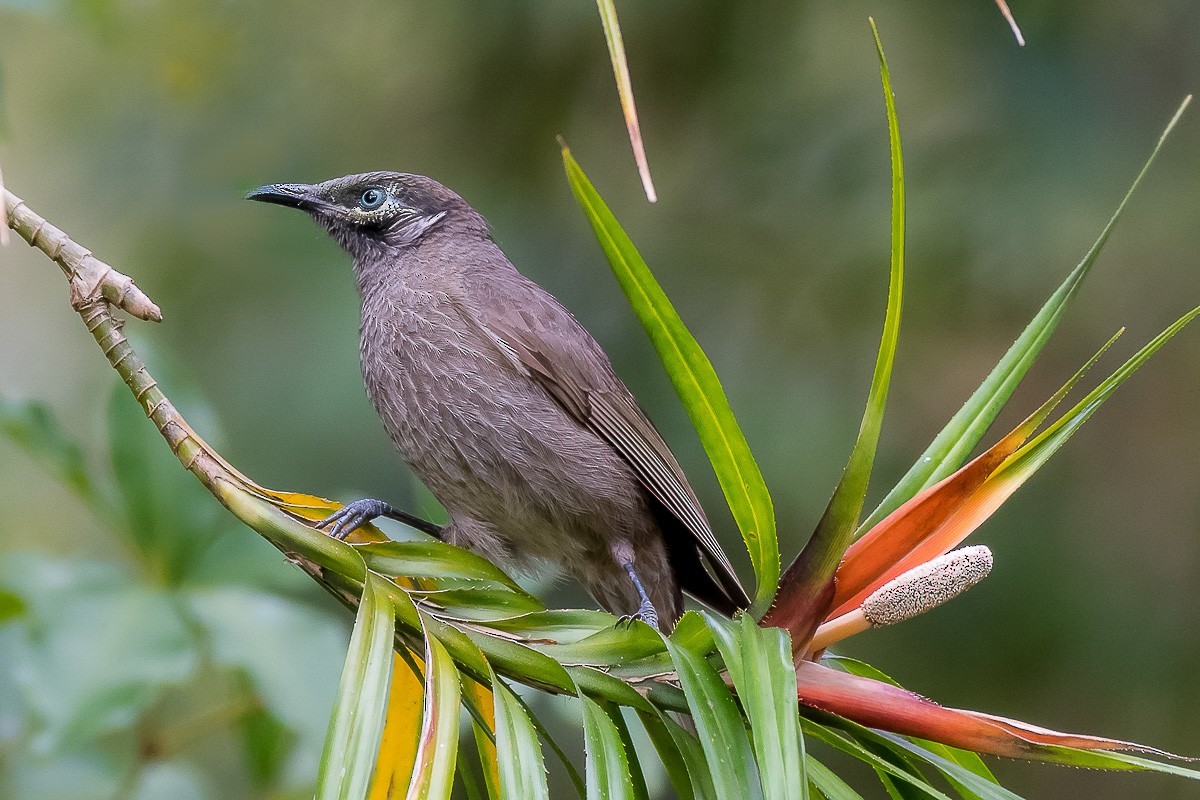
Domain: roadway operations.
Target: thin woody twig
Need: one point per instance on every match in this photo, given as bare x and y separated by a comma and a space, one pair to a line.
90, 279
95, 287
616, 51
1012, 22
3, 214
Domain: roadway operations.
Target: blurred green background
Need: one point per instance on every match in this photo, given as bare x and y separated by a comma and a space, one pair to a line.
163, 652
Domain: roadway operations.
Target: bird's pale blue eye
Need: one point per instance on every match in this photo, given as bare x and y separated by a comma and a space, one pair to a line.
372, 198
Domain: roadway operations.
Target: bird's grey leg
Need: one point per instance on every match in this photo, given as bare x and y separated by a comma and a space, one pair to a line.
349, 518
646, 611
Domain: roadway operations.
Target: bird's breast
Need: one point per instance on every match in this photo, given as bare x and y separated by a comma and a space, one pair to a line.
487, 440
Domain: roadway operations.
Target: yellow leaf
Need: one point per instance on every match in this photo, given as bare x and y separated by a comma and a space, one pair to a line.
480, 697
398, 747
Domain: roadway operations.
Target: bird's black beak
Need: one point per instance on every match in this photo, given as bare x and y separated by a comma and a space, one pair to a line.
295, 195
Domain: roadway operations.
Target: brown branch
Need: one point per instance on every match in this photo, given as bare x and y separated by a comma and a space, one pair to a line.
90, 279
95, 288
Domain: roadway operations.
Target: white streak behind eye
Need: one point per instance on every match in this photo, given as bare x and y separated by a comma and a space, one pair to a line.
408, 228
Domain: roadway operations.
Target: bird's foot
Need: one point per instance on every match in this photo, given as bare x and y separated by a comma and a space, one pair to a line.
350, 518
646, 613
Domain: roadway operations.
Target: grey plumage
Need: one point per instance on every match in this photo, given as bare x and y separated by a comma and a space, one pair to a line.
507, 409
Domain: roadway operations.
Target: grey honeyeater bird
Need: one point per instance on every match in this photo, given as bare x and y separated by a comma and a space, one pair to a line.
507, 409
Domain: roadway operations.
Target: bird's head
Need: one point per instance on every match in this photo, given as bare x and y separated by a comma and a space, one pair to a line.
376, 212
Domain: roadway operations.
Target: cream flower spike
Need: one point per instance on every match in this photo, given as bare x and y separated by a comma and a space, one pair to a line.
910, 594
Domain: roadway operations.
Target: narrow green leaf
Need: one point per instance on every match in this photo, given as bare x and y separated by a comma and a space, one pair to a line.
954, 443
965, 781
289, 533
562, 626
846, 504
544, 734
669, 754
479, 605
696, 384
612, 646
911, 759
598, 683
522, 769
512, 658
477, 698
437, 750
895, 789
473, 786
616, 714
691, 632
825, 781
1031, 456
853, 748
721, 730
616, 52
352, 743
667, 697
1093, 759
964, 758
1013, 473
806, 584
693, 756
759, 661
432, 559
466, 654
608, 767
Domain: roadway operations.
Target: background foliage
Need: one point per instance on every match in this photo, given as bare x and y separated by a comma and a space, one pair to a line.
764, 131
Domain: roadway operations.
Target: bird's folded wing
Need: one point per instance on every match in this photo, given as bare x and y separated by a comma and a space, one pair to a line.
584, 385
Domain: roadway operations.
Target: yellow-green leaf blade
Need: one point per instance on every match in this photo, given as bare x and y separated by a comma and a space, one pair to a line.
697, 385
855, 749
805, 591
670, 755
827, 782
400, 739
608, 768
481, 705
953, 444
352, 743
432, 559
759, 661
522, 768
719, 724
437, 752
1030, 458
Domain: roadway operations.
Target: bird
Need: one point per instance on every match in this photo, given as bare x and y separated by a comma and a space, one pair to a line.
507, 409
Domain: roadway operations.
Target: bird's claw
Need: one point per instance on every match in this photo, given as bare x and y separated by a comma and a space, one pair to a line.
349, 518
645, 613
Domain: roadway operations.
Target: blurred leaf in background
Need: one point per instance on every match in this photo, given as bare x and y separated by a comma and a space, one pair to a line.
197, 665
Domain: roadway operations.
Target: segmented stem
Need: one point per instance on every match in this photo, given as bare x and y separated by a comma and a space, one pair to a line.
90, 278
95, 288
